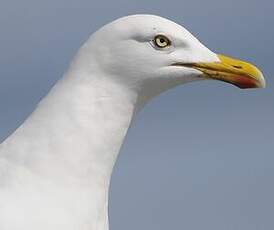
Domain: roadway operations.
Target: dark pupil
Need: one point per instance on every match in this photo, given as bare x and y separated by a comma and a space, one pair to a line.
162, 40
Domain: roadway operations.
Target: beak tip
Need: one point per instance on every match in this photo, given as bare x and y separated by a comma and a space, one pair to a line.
261, 81
252, 83
243, 74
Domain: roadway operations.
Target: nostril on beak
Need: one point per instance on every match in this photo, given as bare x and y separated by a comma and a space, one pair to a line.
237, 66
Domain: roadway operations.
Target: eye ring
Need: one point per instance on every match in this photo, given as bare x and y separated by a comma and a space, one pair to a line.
161, 41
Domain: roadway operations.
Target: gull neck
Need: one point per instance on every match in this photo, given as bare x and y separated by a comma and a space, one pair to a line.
69, 146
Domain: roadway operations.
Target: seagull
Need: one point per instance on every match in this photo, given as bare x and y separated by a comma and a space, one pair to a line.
55, 169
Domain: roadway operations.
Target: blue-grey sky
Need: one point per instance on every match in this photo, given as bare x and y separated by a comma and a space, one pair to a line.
200, 156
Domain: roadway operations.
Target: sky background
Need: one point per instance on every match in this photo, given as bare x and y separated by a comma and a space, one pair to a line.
200, 156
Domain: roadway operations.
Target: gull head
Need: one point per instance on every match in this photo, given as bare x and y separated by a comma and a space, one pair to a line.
150, 54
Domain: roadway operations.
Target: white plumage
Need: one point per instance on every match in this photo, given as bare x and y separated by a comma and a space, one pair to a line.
55, 169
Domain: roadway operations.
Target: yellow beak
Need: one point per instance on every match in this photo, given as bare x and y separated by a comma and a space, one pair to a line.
237, 72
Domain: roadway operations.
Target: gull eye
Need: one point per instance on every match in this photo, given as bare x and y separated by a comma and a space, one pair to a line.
161, 41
